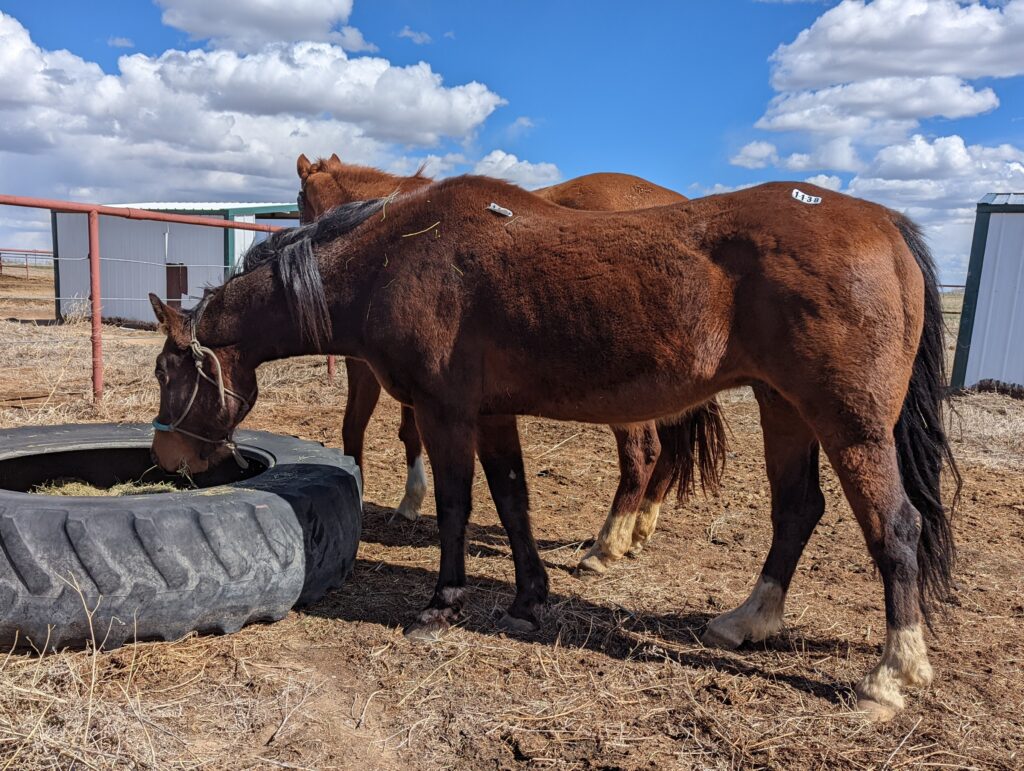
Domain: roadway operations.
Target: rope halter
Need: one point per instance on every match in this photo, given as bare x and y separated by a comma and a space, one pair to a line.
199, 354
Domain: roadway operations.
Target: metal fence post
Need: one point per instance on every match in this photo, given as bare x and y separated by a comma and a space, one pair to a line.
96, 306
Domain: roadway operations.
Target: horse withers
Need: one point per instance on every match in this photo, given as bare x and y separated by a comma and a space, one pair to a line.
653, 459
830, 311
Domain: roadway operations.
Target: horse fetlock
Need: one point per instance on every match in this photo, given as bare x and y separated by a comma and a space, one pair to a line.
904, 663
758, 618
646, 522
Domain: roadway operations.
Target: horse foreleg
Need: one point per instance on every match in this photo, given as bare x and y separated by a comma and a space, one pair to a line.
416, 481
502, 459
450, 440
791, 460
639, 448
363, 393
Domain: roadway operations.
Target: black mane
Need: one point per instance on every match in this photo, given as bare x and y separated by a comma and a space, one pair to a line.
290, 254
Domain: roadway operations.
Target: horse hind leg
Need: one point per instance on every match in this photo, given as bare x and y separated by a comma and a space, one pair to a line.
870, 477
639, 449
416, 481
697, 441
646, 519
791, 461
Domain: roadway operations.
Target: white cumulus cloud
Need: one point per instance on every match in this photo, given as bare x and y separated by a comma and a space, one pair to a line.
880, 107
858, 40
217, 123
863, 89
502, 165
827, 181
247, 25
756, 155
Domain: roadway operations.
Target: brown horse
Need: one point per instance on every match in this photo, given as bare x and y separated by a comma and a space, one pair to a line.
826, 305
677, 449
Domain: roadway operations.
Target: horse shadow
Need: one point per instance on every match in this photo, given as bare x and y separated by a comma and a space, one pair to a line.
384, 526
391, 595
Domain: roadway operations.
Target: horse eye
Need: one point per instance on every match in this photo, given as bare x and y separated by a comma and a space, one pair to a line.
161, 376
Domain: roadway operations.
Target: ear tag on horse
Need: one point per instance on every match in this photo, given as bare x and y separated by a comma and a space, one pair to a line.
499, 209
802, 197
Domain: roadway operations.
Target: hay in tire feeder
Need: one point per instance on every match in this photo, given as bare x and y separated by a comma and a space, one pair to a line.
230, 547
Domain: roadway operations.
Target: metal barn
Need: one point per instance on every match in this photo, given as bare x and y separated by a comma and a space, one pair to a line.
990, 344
174, 261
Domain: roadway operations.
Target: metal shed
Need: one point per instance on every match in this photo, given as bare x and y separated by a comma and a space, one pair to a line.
172, 260
990, 343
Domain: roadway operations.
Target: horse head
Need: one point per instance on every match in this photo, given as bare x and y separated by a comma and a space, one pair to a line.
319, 190
204, 394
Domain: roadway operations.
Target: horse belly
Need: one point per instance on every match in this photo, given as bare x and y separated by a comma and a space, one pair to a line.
596, 397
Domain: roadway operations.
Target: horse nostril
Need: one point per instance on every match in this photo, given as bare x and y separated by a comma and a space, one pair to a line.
152, 457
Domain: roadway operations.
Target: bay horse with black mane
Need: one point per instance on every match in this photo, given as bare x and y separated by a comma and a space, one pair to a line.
675, 450
826, 305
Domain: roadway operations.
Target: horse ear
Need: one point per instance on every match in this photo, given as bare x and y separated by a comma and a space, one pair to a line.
172, 321
334, 159
302, 166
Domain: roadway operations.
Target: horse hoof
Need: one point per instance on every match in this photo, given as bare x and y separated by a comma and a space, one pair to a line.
875, 711
635, 550
517, 625
408, 511
721, 636
431, 624
591, 567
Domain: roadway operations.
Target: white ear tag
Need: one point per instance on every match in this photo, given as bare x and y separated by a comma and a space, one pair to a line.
802, 197
499, 210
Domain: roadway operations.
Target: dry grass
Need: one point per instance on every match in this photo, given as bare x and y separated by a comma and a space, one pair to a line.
76, 487
616, 678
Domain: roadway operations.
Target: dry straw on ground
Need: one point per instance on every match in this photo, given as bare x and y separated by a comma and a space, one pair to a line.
616, 678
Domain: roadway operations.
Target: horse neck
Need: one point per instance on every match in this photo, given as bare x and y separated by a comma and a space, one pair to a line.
252, 312
363, 183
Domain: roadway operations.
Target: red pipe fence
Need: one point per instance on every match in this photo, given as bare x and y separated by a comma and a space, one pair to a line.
94, 210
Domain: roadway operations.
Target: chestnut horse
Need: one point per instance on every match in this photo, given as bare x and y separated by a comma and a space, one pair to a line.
696, 441
826, 305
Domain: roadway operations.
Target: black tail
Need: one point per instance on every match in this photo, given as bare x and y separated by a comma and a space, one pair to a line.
921, 440
695, 442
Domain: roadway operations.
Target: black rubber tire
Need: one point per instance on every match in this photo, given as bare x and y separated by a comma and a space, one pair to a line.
161, 566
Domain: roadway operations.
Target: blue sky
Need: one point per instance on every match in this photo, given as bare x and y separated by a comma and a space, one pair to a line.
889, 100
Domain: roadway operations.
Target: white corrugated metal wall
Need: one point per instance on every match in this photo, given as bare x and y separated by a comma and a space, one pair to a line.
997, 339
243, 239
134, 257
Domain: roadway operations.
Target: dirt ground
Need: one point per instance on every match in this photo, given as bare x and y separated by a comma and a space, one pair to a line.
617, 678
26, 293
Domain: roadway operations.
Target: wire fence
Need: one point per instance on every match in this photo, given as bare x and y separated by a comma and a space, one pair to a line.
13, 259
